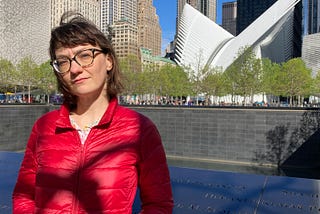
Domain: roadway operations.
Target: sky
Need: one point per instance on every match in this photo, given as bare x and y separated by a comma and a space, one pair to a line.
167, 12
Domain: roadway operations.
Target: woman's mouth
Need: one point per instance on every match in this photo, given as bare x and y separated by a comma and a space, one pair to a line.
79, 80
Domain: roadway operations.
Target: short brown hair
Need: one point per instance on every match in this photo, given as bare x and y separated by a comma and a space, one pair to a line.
76, 30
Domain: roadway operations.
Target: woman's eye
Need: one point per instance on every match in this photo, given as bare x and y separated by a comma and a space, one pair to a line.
62, 62
84, 55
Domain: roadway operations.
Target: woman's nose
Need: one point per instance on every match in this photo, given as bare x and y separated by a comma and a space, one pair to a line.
75, 67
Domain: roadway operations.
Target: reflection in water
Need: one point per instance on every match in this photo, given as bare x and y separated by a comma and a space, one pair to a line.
222, 166
241, 168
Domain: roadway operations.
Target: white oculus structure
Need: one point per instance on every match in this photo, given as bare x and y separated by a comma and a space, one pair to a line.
269, 36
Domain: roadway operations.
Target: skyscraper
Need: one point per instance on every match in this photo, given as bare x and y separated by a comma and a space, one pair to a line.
311, 52
88, 8
206, 7
113, 11
311, 40
209, 9
313, 16
148, 27
134, 24
109, 13
123, 19
125, 29
250, 10
125, 38
229, 17
24, 32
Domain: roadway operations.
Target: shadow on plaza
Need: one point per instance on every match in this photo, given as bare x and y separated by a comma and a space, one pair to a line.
297, 153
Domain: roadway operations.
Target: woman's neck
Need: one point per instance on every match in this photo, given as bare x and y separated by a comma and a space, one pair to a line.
89, 110
87, 105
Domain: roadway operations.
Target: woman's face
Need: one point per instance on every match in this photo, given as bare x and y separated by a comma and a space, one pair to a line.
84, 79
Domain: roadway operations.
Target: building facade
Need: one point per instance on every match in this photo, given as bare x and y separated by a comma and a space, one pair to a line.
311, 52
119, 18
109, 13
149, 29
208, 8
24, 32
133, 25
313, 16
125, 39
250, 10
88, 8
229, 17
311, 40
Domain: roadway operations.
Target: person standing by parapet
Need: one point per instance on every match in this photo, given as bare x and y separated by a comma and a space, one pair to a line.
91, 154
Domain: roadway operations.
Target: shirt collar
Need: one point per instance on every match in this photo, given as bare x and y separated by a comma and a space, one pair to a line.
64, 122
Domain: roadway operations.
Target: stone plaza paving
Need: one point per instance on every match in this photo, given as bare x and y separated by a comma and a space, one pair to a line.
208, 191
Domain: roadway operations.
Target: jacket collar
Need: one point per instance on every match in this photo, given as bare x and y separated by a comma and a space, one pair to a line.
64, 122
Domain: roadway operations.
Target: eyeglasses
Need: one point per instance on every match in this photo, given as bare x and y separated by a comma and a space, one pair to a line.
83, 58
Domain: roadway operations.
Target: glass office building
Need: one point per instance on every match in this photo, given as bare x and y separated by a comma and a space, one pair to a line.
313, 16
250, 10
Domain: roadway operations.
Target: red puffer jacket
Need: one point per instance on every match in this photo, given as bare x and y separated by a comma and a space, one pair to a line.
60, 175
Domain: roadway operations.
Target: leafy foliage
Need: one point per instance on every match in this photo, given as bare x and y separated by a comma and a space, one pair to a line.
244, 74
7, 76
245, 77
26, 76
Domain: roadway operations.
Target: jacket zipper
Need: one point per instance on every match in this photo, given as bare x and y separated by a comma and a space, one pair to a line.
75, 203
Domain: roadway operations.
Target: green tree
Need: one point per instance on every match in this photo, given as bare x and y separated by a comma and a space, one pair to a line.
316, 85
154, 82
47, 79
297, 80
27, 73
143, 86
214, 84
130, 63
271, 78
244, 74
196, 73
7, 75
165, 82
179, 82
130, 67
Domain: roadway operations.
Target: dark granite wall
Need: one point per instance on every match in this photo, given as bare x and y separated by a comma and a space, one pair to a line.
16, 123
240, 135
226, 134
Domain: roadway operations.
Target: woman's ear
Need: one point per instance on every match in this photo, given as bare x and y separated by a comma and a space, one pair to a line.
109, 63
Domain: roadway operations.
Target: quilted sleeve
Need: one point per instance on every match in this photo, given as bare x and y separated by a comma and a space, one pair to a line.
154, 179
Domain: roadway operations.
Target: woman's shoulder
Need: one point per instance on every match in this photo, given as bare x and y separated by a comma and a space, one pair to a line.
48, 118
125, 110
132, 114
50, 114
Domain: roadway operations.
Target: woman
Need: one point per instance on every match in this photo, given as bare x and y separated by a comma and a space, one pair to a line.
91, 154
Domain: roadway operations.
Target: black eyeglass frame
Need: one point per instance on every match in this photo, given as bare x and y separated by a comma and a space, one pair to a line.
55, 65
